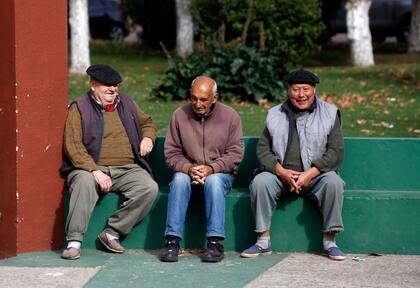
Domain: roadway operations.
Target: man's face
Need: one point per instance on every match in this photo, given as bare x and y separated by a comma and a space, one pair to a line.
103, 92
202, 98
301, 95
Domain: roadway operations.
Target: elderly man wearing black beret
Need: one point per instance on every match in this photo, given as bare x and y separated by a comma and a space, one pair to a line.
106, 139
299, 152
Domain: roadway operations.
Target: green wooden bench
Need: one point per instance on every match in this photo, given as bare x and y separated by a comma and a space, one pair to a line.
381, 205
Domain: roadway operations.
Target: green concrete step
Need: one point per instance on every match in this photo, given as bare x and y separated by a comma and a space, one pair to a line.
381, 205
375, 221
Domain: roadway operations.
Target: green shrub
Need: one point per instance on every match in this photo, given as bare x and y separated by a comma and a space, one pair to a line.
241, 73
290, 27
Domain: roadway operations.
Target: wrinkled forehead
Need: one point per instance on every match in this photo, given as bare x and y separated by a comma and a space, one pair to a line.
301, 85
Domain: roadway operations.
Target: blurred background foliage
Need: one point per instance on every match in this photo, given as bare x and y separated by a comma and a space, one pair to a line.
246, 46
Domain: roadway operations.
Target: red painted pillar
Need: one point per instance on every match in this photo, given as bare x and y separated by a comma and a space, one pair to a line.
33, 101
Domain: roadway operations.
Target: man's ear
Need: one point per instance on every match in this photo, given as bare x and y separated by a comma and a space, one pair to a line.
215, 97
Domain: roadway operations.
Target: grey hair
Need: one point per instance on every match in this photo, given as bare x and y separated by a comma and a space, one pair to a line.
213, 89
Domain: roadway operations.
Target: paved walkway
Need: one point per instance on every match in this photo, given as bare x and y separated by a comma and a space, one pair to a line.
139, 268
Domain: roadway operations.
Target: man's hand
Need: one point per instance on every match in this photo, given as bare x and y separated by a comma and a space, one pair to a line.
199, 173
306, 177
289, 177
146, 146
103, 180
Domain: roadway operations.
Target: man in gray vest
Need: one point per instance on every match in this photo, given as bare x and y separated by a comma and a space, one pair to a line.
106, 139
299, 152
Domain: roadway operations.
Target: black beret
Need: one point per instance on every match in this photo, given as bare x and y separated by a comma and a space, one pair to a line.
104, 74
301, 76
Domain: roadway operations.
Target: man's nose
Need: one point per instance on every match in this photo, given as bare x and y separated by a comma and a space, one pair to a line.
301, 93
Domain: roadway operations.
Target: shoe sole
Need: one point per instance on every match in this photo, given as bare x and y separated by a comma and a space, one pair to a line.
337, 258
245, 255
71, 258
211, 260
110, 248
169, 260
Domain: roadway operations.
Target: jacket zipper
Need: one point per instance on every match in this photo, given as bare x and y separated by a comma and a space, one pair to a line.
204, 148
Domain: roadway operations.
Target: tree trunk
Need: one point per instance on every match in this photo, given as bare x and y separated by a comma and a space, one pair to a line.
184, 29
247, 22
79, 36
414, 38
221, 33
261, 32
358, 32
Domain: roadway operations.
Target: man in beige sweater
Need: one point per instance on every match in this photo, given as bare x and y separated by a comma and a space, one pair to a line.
106, 139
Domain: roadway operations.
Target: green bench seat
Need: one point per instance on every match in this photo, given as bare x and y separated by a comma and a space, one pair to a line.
381, 205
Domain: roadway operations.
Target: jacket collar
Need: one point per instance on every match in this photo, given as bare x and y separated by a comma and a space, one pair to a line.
208, 115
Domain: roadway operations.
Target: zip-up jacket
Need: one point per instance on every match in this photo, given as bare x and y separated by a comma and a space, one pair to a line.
215, 139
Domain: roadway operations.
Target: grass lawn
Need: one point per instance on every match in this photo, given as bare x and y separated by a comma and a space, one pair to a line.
382, 101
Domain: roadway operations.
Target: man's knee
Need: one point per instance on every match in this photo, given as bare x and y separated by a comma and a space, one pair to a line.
261, 183
180, 179
148, 188
215, 180
217, 184
333, 182
81, 180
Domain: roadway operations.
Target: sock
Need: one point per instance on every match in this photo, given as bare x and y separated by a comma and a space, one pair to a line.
111, 237
215, 239
74, 244
328, 240
264, 242
173, 238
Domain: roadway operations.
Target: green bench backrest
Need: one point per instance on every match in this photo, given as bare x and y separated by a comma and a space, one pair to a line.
369, 164
382, 164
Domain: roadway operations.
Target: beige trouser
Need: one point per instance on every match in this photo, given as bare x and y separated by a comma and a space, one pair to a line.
136, 186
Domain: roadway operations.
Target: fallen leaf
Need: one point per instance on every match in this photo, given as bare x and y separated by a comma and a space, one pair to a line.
367, 131
264, 103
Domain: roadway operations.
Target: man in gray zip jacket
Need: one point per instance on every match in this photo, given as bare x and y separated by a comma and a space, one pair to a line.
299, 152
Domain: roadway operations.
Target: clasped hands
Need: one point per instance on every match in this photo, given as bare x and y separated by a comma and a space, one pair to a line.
297, 181
199, 174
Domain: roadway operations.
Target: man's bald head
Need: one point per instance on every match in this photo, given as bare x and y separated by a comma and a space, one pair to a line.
205, 83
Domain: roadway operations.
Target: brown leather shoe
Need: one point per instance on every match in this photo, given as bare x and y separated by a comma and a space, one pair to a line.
113, 245
71, 253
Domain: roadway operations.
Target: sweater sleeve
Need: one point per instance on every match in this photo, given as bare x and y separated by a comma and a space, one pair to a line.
265, 155
234, 149
334, 154
148, 127
73, 142
174, 155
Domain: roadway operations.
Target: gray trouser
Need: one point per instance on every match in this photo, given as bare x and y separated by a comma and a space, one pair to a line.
327, 189
138, 191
